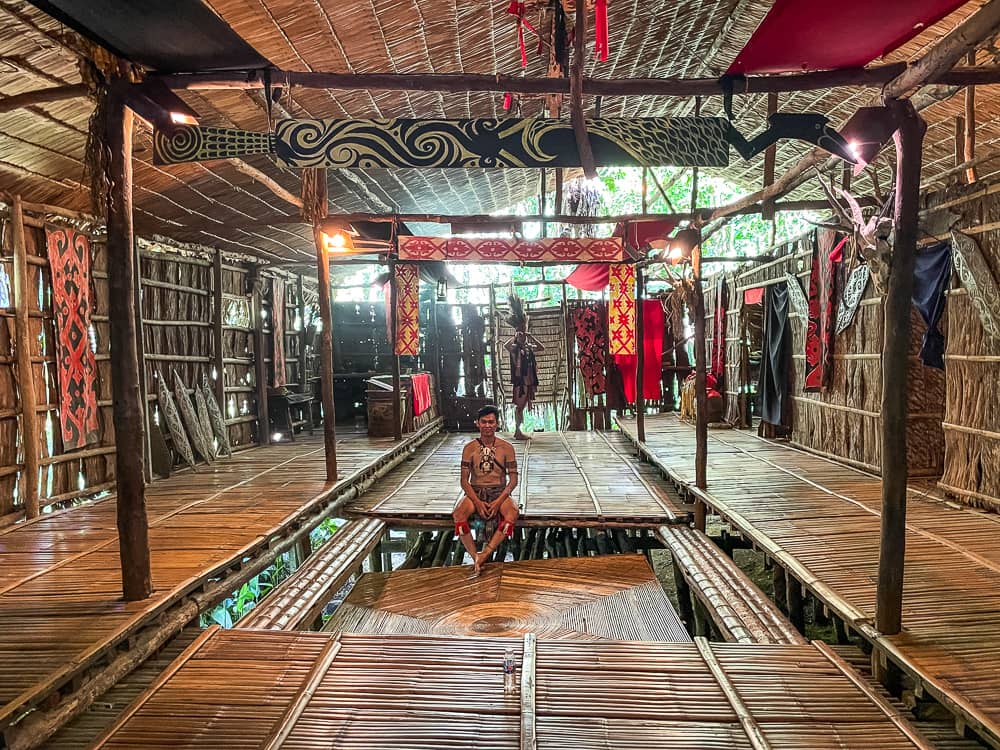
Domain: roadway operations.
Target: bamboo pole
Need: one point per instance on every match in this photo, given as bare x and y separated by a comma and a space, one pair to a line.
701, 395
303, 364
770, 154
969, 145
129, 404
390, 312
260, 369
583, 146
326, 356
30, 435
640, 357
140, 345
895, 362
217, 337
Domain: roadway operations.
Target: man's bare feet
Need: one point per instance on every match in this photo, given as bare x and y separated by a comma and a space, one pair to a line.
481, 559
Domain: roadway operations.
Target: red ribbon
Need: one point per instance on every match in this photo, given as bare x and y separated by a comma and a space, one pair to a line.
508, 100
517, 10
600, 29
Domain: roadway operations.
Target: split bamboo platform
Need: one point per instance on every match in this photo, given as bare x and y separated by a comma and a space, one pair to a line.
610, 597
61, 612
407, 692
820, 521
566, 479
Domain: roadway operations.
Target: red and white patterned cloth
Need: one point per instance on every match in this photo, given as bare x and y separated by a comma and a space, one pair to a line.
621, 310
493, 250
407, 309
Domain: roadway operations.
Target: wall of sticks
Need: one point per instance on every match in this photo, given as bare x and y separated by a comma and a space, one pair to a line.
204, 316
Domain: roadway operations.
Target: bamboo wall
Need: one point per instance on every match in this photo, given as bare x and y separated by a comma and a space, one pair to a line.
180, 308
972, 411
844, 422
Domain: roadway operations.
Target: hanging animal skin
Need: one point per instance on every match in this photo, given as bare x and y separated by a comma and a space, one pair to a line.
201, 409
187, 410
976, 277
219, 428
854, 290
174, 425
800, 305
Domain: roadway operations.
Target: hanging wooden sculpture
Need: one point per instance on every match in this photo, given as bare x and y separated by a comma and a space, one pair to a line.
219, 428
190, 416
168, 410
978, 280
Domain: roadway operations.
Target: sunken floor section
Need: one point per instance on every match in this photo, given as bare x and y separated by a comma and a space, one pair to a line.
265, 689
820, 520
61, 611
612, 597
567, 478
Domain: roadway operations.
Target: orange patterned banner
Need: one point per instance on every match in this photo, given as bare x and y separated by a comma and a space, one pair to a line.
407, 309
493, 250
621, 312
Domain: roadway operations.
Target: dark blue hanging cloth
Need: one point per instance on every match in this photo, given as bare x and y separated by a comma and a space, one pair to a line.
930, 279
775, 358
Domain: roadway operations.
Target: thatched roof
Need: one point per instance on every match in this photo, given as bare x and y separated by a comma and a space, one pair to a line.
42, 146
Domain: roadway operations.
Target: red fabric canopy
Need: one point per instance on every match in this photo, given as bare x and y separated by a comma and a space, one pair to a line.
590, 277
820, 35
641, 232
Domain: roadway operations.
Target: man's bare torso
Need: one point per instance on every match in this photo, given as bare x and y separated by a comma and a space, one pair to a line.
489, 465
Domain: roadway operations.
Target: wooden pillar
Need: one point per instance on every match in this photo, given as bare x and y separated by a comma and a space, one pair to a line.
796, 608
437, 357
140, 344
260, 367
686, 611
701, 396
30, 434
895, 364
326, 356
397, 417
780, 582
128, 399
640, 357
969, 144
217, 335
770, 154
541, 203
303, 364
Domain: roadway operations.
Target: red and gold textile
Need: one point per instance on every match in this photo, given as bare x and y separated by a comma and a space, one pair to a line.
407, 305
420, 383
69, 258
719, 332
278, 331
494, 250
819, 331
653, 323
621, 311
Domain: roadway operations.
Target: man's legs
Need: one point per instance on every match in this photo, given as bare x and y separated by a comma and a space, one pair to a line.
508, 517
518, 419
463, 511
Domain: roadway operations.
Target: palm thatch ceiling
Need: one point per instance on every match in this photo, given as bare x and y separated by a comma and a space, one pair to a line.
217, 204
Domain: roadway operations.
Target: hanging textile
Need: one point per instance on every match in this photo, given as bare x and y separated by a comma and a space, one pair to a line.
278, 331
497, 250
776, 357
652, 364
819, 332
621, 312
420, 384
523, 374
638, 234
590, 277
753, 296
407, 304
719, 332
69, 259
931, 275
590, 324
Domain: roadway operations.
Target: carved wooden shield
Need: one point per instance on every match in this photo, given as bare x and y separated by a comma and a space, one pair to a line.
854, 290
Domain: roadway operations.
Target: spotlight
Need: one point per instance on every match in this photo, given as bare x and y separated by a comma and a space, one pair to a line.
682, 245
866, 132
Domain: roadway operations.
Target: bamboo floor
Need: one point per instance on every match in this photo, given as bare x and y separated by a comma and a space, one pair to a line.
820, 519
406, 692
60, 580
609, 597
566, 478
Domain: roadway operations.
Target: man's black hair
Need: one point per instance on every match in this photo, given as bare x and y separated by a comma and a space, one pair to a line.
489, 409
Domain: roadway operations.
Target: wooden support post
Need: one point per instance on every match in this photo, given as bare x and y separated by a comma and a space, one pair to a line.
217, 336
576, 95
969, 145
326, 356
541, 202
770, 154
796, 608
557, 208
959, 140
895, 362
303, 549
640, 358
30, 434
129, 401
397, 416
260, 368
683, 596
780, 583
140, 350
645, 189
701, 395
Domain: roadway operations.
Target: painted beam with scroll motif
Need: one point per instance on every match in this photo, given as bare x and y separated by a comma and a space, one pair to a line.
469, 143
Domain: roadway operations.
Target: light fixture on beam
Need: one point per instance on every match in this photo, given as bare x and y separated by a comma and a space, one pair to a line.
338, 240
155, 103
866, 132
681, 246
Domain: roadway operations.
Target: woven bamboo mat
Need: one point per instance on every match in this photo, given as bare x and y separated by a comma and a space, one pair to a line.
613, 596
566, 477
254, 689
824, 517
60, 577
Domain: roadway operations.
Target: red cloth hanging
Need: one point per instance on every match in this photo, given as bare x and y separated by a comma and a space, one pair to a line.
591, 277
601, 30
652, 347
420, 384
642, 232
719, 333
819, 35
819, 331
753, 296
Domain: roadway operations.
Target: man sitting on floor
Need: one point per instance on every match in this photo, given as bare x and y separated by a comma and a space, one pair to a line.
489, 475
